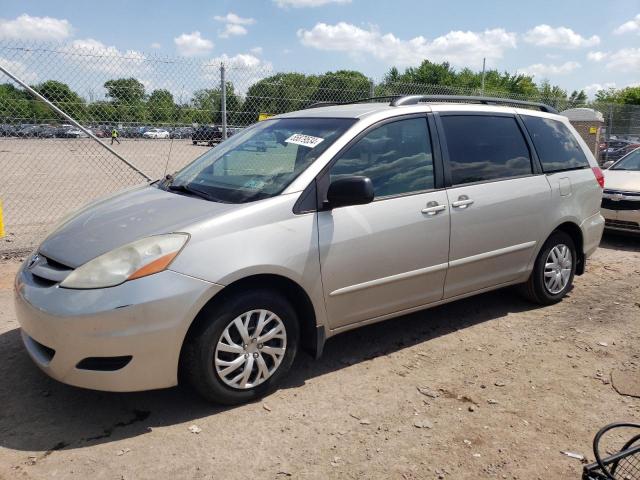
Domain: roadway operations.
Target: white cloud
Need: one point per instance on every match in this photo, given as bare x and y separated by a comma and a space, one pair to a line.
560, 37
231, 29
596, 56
593, 88
244, 69
95, 55
234, 24
156, 45
457, 47
545, 70
257, 50
625, 60
26, 27
234, 19
19, 69
307, 3
629, 27
192, 44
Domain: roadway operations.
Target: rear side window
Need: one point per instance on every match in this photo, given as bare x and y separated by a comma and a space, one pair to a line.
483, 148
556, 146
397, 157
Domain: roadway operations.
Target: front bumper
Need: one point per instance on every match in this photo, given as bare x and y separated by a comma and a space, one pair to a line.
622, 220
145, 319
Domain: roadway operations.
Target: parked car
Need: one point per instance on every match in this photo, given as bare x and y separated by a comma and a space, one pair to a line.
621, 197
304, 226
615, 149
209, 134
182, 132
7, 130
156, 133
75, 132
29, 131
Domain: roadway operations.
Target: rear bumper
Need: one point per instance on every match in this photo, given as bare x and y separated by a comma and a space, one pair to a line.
592, 229
145, 319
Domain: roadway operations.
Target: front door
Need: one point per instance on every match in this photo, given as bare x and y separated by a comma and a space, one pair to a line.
389, 255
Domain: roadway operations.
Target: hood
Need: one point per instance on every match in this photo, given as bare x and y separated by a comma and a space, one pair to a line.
123, 218
625, 180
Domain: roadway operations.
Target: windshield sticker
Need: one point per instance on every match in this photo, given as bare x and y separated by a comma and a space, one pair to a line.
304, 140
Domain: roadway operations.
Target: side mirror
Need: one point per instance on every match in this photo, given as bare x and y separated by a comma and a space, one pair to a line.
608, 164
350, 191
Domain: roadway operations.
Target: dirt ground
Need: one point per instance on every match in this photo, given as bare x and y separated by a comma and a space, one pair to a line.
506, 387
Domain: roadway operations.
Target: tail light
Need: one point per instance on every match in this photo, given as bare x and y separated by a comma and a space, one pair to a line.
599, 176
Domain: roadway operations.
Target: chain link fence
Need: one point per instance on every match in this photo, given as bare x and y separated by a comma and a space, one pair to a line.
165, 111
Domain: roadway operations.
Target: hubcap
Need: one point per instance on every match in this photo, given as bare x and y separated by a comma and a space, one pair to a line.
250, 349
557, 269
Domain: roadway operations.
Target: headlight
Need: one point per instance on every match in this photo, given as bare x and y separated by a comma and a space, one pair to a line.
137, 259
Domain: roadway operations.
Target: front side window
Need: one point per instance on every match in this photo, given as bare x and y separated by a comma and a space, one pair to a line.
397, 157
261, 161
483, 148
630, 162
556, 146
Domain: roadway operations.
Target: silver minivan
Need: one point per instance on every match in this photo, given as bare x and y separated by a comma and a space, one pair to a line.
303, 226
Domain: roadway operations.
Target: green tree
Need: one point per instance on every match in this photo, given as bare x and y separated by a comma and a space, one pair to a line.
161, 106
15, 104
341, 86
207, 105
127, 96
279, 93
578, 98
61, 95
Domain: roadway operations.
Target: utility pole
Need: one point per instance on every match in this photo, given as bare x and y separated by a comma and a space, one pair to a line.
484, 64
223, 107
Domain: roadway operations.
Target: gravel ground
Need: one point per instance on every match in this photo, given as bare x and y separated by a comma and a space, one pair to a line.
488, 387
43, 179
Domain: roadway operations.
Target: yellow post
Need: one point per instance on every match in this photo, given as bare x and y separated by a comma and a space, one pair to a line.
1, 221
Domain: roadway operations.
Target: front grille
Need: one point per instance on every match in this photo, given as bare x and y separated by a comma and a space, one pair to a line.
622, 224
621, 204
42, 352
48, 272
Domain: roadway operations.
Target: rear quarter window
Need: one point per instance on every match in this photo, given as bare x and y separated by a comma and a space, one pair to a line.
555, 144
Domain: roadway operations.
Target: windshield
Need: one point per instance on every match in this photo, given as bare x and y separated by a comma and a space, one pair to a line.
261, 161
630, 162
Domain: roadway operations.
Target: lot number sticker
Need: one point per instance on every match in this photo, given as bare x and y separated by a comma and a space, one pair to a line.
304, 140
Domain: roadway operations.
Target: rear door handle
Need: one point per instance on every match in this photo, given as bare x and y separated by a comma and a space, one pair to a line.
462, 202
433, 209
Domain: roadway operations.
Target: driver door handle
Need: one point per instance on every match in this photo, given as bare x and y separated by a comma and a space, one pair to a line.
433, 208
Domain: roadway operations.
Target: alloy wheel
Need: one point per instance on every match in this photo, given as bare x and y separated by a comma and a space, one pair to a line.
557, 269
250, 349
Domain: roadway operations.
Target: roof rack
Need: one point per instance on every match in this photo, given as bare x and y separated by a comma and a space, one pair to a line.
360, 100
415, 99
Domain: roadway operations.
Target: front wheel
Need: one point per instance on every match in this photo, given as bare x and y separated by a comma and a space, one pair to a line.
553, 272
242, 348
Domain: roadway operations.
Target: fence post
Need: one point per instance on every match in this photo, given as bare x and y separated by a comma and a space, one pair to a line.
223, 101
609, 128
372, 88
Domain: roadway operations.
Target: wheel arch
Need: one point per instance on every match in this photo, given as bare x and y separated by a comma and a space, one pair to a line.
573, 230
312, 335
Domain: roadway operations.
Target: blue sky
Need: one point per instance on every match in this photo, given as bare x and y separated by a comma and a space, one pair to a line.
576, 44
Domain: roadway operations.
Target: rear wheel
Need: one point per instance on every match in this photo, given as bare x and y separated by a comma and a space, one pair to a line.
242, 348
553, 272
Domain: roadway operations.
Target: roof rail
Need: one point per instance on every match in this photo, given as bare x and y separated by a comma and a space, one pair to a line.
414, 99
360, 100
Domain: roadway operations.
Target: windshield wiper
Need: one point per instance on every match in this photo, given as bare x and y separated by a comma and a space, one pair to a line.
193, 191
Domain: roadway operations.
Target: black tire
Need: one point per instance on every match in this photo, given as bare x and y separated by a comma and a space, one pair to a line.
535, 289
197, 362
194, 142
